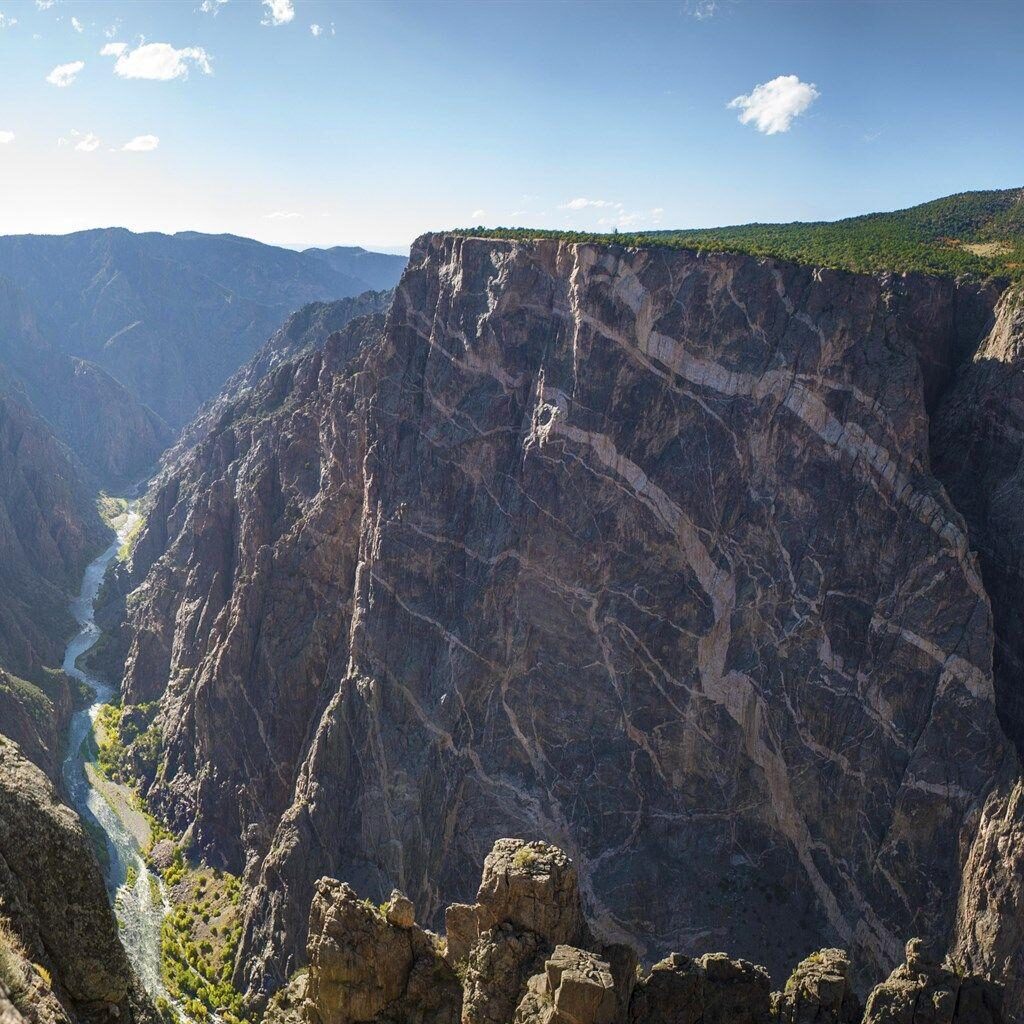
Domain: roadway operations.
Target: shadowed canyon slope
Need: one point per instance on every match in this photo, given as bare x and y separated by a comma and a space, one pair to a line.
173, 316
639, 551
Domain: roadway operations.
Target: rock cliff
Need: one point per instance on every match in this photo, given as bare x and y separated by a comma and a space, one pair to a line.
640, 551
59, 947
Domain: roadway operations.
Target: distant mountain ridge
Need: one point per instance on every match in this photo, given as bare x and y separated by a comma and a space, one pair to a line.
171, 317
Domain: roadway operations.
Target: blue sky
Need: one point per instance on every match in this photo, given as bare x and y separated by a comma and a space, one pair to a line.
397, 118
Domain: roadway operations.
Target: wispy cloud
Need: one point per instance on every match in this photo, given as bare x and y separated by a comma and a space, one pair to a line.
45, 5
84, 142
64, 74
701, 10
633, 219
772, 106
77, 25
478, 215
142, 144
587, 204
6, 22
278, 12
212, 6
157, 62
6, 138
282, 215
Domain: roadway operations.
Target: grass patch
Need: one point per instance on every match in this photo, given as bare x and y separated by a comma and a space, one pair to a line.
13, 961
524, 857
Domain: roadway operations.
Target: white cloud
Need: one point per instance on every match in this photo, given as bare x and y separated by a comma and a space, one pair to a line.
282, 215
77, 25
773, 105
478, 215
142, 144
587, 204
64, 74
113, 29
84, 142
45, 5
279, 12
6, 22
212, 6
157, 62
6, 137
701, 10
315, 29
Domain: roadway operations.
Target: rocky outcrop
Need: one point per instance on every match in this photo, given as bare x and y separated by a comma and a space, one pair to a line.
990, 916
819, 991
638, 551
368, 965
53, 896
925, 990
171, 317
36, 717
372, 964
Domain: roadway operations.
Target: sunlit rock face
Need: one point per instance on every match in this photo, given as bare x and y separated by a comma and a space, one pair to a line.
637, 551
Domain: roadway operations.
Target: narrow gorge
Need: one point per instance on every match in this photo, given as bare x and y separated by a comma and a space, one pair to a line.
702, 567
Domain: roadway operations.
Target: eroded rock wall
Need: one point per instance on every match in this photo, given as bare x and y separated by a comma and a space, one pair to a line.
639, 551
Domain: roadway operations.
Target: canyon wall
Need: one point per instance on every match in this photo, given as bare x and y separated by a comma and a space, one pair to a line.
638, 551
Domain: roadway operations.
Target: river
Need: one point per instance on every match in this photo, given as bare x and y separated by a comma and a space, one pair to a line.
142, 905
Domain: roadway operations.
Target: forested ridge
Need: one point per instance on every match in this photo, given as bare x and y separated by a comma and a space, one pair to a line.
979, 233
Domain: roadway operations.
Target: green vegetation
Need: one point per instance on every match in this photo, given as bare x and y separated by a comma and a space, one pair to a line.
199, 940
128, 742
112, 510
124, 552
524, 857
977, 233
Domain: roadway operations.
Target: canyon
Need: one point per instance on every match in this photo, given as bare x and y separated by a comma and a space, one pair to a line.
679, 589
651, 554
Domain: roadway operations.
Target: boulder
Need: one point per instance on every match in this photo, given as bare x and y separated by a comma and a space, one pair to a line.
576, 987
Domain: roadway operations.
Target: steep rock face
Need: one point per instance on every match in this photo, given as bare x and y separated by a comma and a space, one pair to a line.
170, 316
49, 529
638, 551
36, 716
274, 495
52, 892
979, 458
990, 917
308, 328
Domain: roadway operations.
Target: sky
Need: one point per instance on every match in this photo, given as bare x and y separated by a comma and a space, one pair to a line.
307, 122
